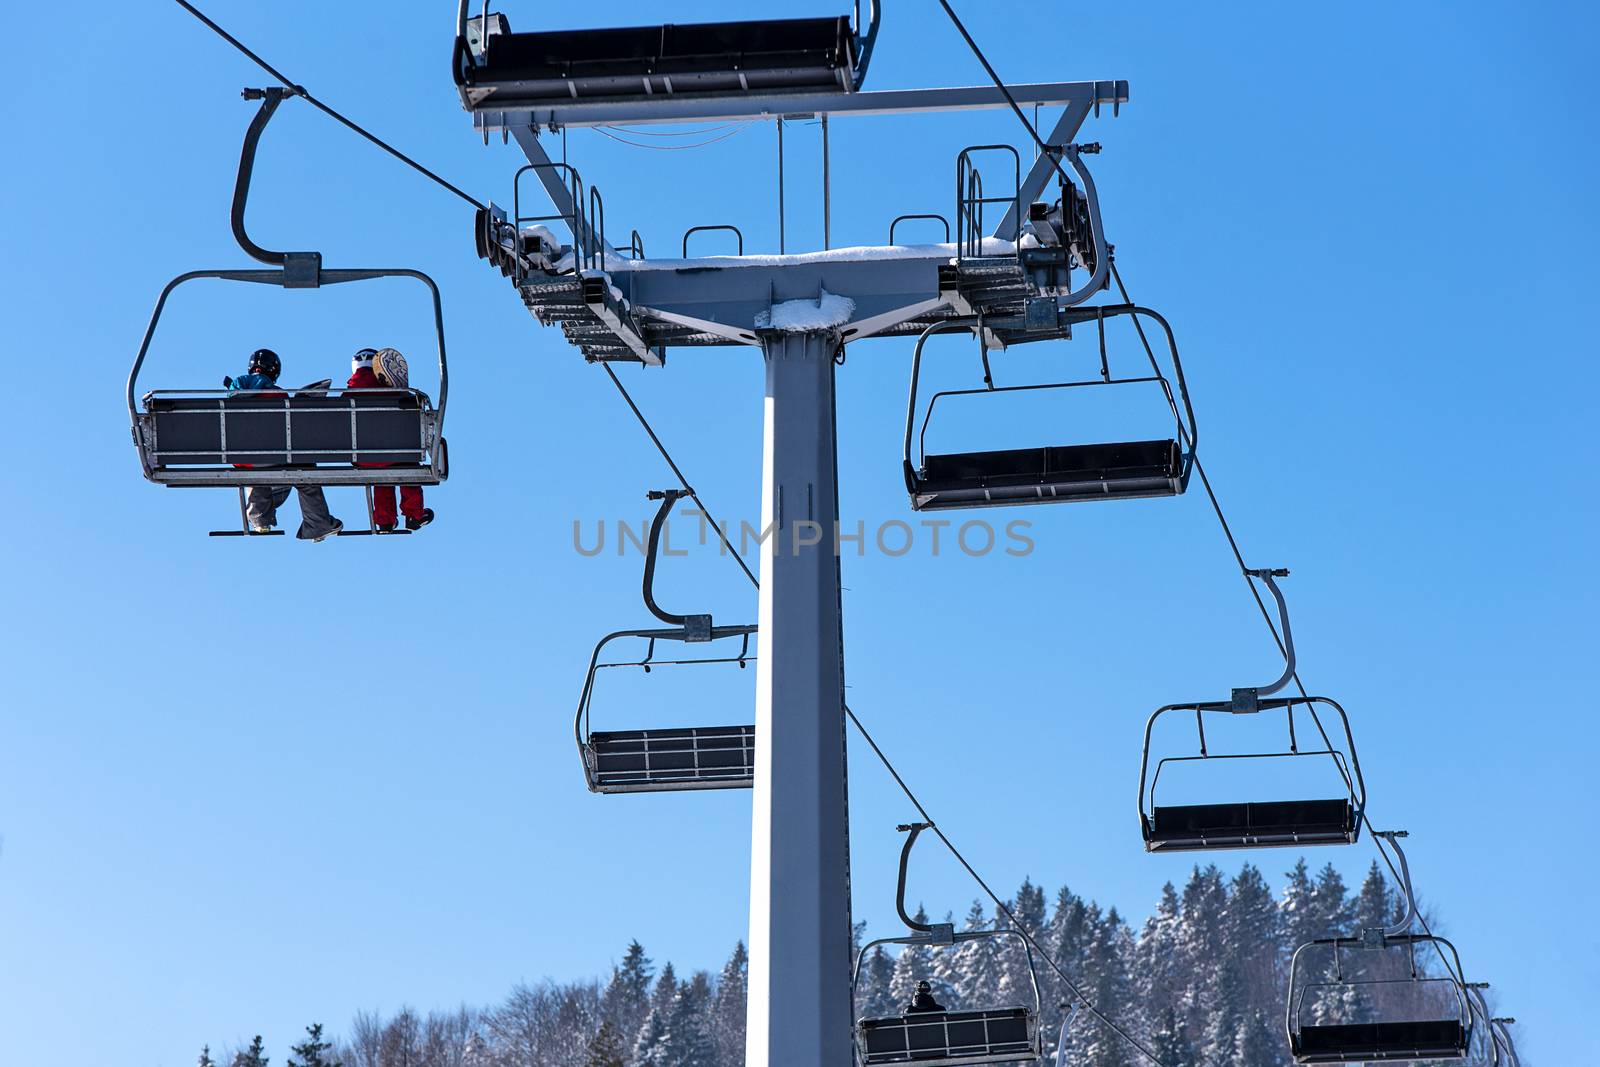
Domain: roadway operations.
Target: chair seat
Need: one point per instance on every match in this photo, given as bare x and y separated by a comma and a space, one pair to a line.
705, 59
1047, 475
1199, 827
642, 761
1433, 1039
949, 1038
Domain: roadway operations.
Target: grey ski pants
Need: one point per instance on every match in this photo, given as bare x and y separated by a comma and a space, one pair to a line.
262, 504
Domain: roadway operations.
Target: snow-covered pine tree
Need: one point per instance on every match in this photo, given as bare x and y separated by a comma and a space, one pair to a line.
254, 1056
1111, 988
648, 1045
310, 1052
687, 1042
665, 991
1159, 977
626, 998
969, 973
728, 1008
873, 999
1015, 986
1067, 939
1250, 937
1258, 1044
1331, 905
914, 964
1222, 1015
1170, 1039
1201, 953
1298, 917
605, 1048
205, 1059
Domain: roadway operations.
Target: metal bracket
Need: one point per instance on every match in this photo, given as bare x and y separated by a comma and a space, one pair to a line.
696, 628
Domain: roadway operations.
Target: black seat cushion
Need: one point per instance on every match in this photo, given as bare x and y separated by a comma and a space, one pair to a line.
1285, 822
1053, 472
715, 57
1426, 1039
930, 1037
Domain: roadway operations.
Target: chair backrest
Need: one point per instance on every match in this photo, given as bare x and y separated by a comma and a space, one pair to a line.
258, 429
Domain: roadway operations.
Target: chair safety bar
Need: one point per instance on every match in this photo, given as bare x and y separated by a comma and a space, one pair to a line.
1186, 429
1379, 1039
1355, 783
666, 759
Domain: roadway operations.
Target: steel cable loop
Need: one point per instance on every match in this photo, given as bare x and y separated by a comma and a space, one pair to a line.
1205, 481
324, 108
722, 534
605, 132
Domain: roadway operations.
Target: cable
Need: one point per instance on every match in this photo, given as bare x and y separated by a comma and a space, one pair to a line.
678, 473
605, 132
1038, 141
324, 108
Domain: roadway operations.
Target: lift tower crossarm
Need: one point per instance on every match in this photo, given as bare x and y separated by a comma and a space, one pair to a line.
665, 110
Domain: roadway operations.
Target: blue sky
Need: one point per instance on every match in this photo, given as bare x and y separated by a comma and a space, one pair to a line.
244, 786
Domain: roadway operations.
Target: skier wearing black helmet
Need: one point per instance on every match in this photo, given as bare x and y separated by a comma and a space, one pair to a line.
262, 501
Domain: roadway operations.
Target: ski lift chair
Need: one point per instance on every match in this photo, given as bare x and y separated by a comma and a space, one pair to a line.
1392, 1010
316, 435
1050, 474
943, 1038
1256, 824
758, 56
676, 759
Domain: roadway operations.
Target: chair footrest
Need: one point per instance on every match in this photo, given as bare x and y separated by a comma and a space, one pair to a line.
642, 761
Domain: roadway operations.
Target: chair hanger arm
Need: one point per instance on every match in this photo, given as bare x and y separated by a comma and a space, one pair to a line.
270, 99
1404, 925
911, 830
1245, 700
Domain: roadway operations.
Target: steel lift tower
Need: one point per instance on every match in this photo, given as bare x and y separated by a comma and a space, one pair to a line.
616, 304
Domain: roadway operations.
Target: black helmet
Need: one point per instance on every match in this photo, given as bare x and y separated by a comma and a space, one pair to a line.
266, 361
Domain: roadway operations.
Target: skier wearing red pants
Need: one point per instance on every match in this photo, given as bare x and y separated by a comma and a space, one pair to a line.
373, 368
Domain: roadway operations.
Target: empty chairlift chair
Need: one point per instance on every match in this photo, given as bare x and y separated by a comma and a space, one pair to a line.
496, 68
1051, 473
1374, 998
315, 435
1327, 820
928, 1034
670, 759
